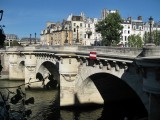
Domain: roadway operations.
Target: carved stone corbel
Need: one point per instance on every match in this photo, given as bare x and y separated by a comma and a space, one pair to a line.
108, 66
31, 68
116, 66
69, 77
100, 65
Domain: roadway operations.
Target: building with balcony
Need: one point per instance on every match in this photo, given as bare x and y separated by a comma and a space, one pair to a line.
90, 34
126, 32
56, 34
77, 26
132, 27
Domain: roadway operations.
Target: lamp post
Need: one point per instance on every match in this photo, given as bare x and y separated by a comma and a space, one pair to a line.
150, 30
1, 11
66, 41
30, 38
35, 39
77, 41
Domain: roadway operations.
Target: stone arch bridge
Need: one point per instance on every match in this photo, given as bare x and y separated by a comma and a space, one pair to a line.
114, 73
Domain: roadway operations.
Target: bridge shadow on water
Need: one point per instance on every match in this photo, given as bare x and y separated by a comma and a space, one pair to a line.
120, 101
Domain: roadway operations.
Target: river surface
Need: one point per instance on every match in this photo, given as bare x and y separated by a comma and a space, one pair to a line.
45, 106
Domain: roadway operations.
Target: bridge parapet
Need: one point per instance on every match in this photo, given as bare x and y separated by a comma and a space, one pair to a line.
151, 51
132, 52
149, 64
112, 50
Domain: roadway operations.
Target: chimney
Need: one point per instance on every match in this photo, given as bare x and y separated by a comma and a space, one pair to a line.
139, 17
129, 18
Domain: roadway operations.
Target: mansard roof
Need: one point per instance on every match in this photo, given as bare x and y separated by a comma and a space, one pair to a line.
77, 18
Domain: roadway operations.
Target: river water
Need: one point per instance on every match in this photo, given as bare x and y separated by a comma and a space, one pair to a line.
45, 106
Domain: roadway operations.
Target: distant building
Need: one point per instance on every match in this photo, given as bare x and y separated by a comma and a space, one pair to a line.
84, 29
156, 26
90, 34
126, 32
77, 26
138, 27
106, 12
11, 37
56, 34
132, 27
25, 41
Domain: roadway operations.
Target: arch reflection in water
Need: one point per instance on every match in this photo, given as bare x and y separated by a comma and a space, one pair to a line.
120, 100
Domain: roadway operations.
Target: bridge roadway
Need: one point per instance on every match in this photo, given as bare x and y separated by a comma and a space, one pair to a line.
82, 79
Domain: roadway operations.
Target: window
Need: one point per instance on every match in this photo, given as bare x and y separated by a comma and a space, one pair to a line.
89, 36
125, 38
74, 29
128, 27
140, 27
89, 25
80, 24
74, 24
84, 35
137, 27
128, 32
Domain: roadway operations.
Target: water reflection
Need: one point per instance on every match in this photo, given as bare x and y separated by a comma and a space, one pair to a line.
46, 106
11, 100
81, 113
43, 108
128, 109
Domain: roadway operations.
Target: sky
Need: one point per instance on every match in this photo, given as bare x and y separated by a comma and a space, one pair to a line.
25, 17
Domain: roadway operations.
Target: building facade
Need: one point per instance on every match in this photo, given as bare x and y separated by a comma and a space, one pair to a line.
56, 34
126, 32
81, 29
132, 27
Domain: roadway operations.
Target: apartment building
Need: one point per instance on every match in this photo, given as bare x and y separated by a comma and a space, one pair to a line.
126, 32
56, 34
132, 27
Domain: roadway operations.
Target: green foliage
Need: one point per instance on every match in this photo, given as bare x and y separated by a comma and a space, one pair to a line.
155, 36
135, 41
110, 29
2, 38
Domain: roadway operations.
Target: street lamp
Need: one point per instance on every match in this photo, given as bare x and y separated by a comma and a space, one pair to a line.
35, 39
66, 41
77, 41
1, 11
30, 38
150, 30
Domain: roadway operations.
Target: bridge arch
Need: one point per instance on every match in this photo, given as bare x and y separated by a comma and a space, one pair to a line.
48, 68
115, 92
21, 69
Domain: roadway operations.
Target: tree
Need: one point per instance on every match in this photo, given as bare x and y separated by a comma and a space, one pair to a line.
2, 38
135, 41
155, 37
110, 29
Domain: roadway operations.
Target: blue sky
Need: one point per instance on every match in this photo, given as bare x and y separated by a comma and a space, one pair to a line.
25, 17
